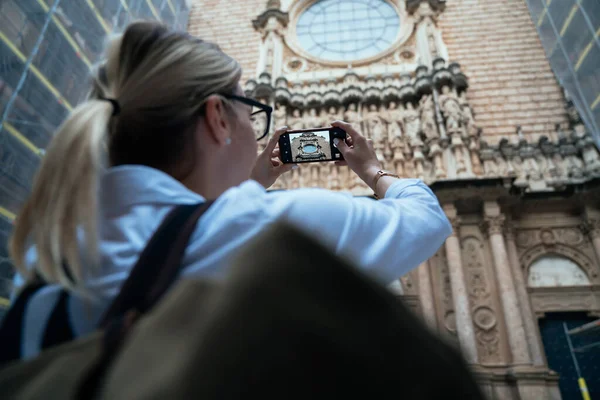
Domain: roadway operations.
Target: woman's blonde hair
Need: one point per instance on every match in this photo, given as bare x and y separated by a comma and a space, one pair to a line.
160, 80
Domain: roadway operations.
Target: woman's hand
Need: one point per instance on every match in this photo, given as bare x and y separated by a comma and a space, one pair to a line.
358, 153
269, 166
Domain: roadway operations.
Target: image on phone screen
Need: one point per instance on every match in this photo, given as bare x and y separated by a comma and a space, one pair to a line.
310, 146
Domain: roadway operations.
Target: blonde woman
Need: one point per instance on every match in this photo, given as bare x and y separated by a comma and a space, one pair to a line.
168, 124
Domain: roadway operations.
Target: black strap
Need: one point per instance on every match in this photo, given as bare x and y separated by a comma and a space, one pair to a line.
58, 329
156, 269
159, 264
11, 337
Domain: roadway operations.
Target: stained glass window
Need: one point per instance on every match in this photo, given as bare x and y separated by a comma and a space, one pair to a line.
347, 30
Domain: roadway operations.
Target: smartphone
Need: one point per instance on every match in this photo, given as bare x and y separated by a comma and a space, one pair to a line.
310, 145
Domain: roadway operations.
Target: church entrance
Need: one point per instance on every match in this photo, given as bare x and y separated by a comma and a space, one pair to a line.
584, 361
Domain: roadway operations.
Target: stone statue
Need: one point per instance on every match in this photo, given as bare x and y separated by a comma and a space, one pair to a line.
280, 115
296, 121
332, 115
397, 146
375, 124
468, 119
428, 125
589, 153
451, 110
353, 116
411, 124
474, 149
395, 118
313, 120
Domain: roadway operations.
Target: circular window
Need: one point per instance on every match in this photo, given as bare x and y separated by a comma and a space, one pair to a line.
309, 148
347, 30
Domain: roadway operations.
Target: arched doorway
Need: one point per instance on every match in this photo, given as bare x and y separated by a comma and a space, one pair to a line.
555, 271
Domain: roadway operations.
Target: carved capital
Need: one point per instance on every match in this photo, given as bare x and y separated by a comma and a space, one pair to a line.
509, 230
455, 222
493, 225
591, 226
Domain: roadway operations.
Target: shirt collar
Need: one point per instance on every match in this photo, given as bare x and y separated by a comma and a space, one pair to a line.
128, 185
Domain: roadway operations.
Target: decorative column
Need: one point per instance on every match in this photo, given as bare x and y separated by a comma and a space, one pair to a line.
493, 224
462, 310
529, 320
430, 43
271, 25
426, 295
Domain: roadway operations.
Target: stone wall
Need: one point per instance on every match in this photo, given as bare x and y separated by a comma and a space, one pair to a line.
510, 79
229, 24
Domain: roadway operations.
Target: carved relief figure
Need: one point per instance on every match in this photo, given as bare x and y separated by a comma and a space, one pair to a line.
428, 125
374, 123
412, 124
451, 110
353, 116
313, 120
296, 121
280, 115
395, 119
467, 114
332, 115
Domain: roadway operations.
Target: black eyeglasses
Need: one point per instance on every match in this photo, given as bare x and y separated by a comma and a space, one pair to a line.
260, 114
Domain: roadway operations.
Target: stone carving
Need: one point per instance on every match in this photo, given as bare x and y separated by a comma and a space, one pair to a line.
591, 227
467, 115
482, 304
572, 164
395, 118
353, 116
313, 120
296, 121
590, 155
429, 136
474, 152
376, 130
451, 110
565, 299
332, 115
493, 225
412, 124
280, 115
428, 125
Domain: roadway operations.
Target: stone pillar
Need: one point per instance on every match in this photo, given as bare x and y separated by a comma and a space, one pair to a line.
462, 310
493, 224
271, 25
529, 320
426, 295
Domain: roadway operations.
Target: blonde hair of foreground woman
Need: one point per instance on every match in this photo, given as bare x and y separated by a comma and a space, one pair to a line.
160, 79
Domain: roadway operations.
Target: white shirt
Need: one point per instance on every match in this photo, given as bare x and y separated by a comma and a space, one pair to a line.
386, 238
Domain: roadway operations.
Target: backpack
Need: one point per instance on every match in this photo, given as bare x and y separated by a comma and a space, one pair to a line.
290, 320
154, 272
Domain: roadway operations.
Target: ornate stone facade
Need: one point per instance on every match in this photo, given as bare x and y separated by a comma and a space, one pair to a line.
518, 185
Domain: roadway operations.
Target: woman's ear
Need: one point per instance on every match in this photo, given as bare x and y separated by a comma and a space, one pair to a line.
217, 120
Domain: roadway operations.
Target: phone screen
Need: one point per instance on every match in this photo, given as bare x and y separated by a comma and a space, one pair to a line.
310, 145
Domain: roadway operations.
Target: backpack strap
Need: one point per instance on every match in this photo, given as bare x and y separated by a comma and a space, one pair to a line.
158, 265
11, 337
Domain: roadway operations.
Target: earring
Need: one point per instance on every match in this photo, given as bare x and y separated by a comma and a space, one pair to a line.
228, 141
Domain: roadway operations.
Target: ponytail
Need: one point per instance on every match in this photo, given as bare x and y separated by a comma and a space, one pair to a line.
64, 199
161, 79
